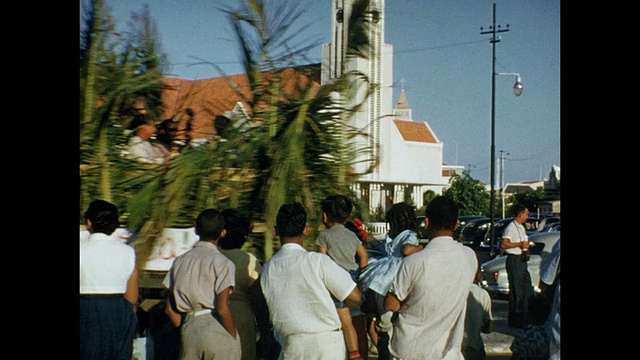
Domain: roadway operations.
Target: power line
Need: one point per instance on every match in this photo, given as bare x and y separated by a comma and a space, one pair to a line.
439, 47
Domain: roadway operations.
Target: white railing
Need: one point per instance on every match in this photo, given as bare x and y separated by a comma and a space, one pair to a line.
377, 229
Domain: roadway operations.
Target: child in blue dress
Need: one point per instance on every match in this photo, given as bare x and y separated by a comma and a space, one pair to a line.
401, 240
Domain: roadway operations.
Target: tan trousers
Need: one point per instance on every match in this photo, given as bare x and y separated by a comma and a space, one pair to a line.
204, 338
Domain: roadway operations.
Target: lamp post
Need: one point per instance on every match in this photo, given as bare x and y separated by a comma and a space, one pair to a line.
517, 90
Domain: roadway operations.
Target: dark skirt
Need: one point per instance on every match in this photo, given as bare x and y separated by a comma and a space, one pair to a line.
107, 327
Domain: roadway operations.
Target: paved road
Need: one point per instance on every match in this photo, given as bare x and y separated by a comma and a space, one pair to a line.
497, 343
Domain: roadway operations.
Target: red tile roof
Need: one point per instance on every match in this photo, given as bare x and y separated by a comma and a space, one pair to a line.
415, 131
211, 97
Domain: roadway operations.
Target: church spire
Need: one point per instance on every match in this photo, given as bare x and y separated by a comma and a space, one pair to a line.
402, 110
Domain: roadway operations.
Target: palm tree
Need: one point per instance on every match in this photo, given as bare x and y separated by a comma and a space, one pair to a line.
303, 142
116, 71
297, 145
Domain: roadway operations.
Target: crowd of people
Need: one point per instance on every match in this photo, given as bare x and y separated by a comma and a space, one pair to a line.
422, 302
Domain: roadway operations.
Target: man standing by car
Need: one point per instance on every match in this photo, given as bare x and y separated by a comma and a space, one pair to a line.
516, 244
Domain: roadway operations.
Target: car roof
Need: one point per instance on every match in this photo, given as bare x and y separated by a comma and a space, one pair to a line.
547, 238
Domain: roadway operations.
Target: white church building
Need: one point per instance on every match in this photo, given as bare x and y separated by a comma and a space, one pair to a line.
410, 153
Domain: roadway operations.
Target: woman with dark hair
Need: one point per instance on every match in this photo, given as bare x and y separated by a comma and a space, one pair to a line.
401, 240
108, 288
247, 302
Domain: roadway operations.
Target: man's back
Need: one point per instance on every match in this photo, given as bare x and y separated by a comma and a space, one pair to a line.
297, 285
433, 285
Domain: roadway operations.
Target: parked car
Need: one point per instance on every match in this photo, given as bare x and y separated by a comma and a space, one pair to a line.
473, 233
546, 223
464, 220
554, 227
498, 228
494, 271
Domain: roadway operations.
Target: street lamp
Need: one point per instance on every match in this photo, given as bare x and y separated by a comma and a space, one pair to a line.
517, 87
517, 90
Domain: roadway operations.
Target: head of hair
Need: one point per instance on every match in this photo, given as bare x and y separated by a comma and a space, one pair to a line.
518, 209
103, 216
209, 224
166, 131
442, 213
401, 216
337, 207
138, 120
238, 229
291, 220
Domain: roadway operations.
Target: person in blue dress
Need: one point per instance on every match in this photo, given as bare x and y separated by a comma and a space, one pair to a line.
401, 240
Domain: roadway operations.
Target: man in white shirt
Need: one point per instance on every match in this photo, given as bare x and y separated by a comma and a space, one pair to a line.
298, 285
139, 147
516, 244
429, 292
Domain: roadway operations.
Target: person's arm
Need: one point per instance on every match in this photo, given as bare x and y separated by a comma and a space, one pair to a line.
322, 250
364, 257
353, 299
507, 244
174, 316
260, 307
224, 311
133, 293
391, 302
408, 249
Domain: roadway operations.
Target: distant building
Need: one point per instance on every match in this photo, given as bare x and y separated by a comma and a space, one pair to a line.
409, 151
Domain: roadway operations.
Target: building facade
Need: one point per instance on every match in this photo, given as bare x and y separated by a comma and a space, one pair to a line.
409, 152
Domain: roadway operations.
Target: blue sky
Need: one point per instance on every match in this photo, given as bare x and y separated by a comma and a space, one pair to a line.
438, 51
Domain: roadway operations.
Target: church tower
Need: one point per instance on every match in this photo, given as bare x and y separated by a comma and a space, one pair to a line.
402, 110
376, 115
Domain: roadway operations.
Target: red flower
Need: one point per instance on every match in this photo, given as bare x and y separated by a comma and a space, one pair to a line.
363, 233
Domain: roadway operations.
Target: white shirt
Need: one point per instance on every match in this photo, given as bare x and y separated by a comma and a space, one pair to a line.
143, 151
105, 265
433, 285
298, 284
478, 313
515, 233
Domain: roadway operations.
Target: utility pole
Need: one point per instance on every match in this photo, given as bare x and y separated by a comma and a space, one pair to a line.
502, 179
493, 31
469, 169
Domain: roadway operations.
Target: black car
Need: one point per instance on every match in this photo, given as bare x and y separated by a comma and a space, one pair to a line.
464, 220
498, 228
473, 233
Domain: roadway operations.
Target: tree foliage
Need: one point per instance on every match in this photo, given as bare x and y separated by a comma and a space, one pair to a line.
469, 194
297, 145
